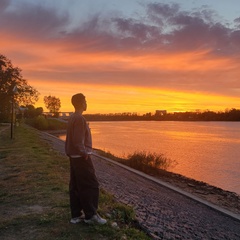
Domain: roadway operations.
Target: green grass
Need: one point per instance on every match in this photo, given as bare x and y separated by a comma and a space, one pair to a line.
34, 196
43, 123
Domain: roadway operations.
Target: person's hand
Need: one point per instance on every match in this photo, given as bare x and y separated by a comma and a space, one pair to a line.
85, 156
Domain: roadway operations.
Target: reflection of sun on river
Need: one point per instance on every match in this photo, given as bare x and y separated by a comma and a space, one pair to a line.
205, 151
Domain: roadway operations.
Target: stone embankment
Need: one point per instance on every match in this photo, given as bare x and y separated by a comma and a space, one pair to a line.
162, 212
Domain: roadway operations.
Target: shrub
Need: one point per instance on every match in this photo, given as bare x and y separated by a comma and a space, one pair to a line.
41, 123
54, 124
123, 213
148, 162
142, 161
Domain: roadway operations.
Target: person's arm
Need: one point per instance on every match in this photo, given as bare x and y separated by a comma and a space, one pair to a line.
79, 137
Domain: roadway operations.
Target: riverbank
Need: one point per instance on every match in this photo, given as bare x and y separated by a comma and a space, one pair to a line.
222, 198
34, 195
205, 151
164, 213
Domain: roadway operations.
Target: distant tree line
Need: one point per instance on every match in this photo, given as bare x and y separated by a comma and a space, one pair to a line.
228, 115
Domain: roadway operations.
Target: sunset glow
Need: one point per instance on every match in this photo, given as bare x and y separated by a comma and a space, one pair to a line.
178, 57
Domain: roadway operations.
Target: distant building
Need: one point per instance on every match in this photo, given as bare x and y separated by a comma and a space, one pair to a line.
160, 112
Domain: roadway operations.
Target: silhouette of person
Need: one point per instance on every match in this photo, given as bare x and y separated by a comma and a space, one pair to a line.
83, 185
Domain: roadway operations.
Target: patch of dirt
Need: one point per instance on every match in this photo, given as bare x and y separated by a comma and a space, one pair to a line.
23, 210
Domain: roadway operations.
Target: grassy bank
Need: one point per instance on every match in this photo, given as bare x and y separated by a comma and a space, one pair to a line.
43, 123
34, 195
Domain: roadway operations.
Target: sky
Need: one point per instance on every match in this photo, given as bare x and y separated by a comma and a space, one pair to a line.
134, 56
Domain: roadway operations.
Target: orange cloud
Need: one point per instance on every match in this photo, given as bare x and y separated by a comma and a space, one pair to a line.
109, 99
125, 64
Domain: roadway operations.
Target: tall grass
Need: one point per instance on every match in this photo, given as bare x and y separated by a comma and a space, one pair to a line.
148, 162
143, 161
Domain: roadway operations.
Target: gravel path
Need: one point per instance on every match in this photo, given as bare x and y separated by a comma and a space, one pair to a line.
162, 212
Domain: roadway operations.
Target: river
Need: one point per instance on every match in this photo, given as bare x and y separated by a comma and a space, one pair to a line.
205, 151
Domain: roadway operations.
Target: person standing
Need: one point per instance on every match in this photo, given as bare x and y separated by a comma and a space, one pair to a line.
83, 185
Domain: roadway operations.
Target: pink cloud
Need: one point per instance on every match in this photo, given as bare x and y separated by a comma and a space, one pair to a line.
164, 28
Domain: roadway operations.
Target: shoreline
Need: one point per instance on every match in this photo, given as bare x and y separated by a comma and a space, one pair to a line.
215, 195
220, 197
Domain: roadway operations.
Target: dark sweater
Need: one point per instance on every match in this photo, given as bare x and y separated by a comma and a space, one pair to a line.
78, 139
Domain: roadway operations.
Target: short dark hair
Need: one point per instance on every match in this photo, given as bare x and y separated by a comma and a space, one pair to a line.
78, 99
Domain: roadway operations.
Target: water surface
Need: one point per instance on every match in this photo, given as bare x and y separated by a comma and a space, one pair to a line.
205, 151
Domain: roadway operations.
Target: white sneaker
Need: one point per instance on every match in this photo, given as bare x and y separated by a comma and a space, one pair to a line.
77, 219
95, 219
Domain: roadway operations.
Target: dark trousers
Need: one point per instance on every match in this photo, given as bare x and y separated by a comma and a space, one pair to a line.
83, 187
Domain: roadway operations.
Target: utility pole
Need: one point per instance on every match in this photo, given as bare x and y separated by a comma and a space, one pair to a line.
14, 91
